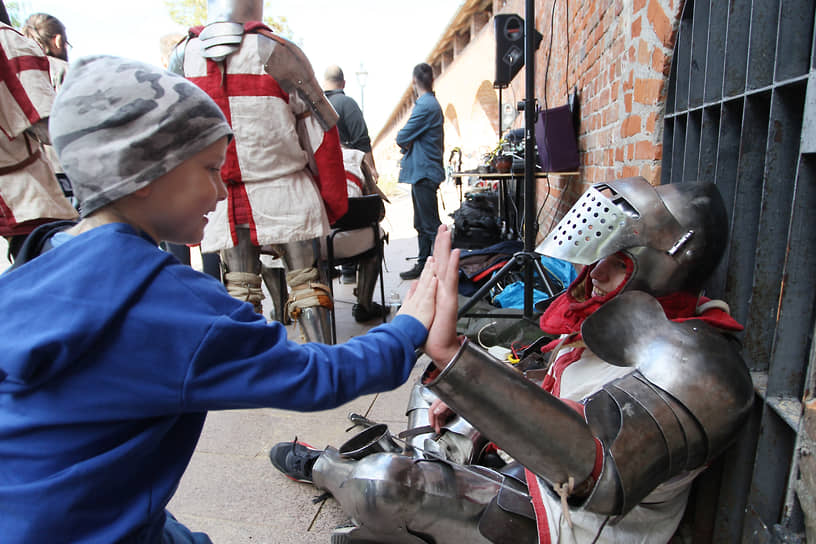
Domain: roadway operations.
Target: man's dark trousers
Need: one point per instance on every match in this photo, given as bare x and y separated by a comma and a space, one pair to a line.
426, 216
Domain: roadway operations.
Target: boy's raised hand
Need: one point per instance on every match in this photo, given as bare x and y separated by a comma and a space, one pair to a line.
442, 343
420, 300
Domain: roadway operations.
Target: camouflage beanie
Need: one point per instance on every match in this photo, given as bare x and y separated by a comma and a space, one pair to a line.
118, 124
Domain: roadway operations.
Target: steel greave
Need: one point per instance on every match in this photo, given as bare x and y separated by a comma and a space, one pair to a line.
394, 497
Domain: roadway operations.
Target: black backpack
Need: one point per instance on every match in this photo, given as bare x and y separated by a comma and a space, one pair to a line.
476, 223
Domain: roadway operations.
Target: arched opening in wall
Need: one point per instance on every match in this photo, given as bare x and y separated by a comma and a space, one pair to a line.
452, 122
739, 113
489, 103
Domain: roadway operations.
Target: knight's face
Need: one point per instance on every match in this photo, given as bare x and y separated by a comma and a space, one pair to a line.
608, 274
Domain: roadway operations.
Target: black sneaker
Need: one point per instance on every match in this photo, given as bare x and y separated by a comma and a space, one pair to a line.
377, 311
294, 459
413, 273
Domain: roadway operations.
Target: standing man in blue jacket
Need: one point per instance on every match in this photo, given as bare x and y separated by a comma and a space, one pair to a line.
422, 142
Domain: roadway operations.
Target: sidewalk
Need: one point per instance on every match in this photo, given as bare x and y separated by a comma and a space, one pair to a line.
232, 492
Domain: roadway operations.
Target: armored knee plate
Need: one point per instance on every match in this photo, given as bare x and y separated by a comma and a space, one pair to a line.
399, 499
309, 300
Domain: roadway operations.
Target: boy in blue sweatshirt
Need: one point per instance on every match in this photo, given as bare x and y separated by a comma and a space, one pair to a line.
113, 351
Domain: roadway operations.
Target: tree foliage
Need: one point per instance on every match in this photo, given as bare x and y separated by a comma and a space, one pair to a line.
16, 10
194, 12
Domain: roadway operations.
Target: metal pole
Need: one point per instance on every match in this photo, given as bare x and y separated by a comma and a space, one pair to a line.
529, 151
501, 120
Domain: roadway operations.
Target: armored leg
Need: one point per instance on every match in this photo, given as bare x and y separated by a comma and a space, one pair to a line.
368, 273
309, 299
393, 498
275, 280
243, 268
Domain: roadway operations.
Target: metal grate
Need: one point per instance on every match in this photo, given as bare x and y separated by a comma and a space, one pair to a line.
741, 112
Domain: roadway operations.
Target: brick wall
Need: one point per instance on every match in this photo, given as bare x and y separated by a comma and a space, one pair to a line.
619, 60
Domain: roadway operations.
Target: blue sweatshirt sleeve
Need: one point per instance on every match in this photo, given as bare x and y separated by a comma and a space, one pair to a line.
253, 364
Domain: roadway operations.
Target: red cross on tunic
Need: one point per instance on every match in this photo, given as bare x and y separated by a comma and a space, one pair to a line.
221, 87
9, 69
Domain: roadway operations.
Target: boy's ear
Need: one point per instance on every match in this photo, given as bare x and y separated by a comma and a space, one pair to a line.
143, 192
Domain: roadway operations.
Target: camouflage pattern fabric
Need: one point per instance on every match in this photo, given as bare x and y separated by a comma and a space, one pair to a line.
118, 124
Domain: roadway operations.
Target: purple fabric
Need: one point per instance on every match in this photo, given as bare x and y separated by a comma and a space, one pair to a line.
556, 141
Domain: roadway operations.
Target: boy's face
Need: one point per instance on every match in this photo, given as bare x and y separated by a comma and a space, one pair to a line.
179, 200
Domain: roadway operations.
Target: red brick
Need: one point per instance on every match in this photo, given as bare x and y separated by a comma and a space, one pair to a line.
627, 102
636, 28
660, 62
630, 126
643, 57
647, 91
619, 154
645, 150
660, 23
610, 115
627, 84
629, 171
630, 152
651, 121
651, 172
638, 5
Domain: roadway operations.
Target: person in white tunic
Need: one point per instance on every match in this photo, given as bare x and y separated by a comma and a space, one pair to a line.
284, 172
29, 192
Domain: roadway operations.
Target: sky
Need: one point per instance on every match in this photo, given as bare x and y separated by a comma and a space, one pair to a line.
388, 37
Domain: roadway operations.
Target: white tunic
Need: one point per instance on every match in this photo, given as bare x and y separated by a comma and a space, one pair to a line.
272, 164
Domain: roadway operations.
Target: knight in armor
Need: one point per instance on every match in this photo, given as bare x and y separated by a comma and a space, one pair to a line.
284, 171
645, 387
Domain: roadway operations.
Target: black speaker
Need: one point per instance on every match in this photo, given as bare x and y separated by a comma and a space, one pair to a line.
509, 31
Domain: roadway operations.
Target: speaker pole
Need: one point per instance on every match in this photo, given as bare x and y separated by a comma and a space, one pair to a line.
527, 259
500, 113
529, 151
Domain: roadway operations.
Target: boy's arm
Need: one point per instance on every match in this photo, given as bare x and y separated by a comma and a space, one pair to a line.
244, 362
254, 365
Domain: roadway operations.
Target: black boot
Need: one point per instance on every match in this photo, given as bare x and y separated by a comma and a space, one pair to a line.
375, 311
414, 272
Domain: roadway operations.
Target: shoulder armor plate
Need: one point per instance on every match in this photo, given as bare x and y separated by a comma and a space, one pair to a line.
220, 40
690, 360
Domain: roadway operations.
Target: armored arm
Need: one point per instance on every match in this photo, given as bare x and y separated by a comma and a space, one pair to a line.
292, 70
538, 430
